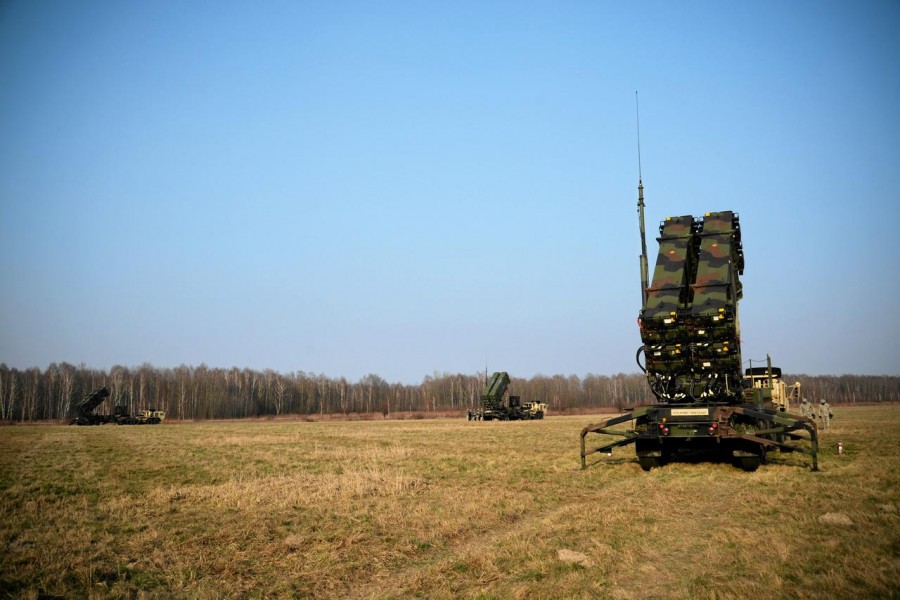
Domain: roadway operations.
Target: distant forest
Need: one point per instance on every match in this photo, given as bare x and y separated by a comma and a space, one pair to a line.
196, 393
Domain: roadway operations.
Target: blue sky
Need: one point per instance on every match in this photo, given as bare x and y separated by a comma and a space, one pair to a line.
405, 188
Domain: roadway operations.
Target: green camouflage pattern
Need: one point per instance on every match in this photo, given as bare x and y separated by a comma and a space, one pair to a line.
689, 322
668, 291
716, 287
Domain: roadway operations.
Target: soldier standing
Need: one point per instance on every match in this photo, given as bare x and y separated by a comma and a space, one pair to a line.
824, 414
807, 410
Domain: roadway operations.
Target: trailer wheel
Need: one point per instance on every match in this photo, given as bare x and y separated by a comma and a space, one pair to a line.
648, 462
748, 463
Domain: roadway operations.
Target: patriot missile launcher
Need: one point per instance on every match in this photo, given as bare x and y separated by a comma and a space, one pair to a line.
691, 352
85, 409
85, 412
494, 408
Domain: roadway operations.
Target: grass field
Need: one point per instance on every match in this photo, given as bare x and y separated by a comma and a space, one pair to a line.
437, 509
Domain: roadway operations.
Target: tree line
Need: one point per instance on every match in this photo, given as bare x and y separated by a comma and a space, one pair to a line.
196, 393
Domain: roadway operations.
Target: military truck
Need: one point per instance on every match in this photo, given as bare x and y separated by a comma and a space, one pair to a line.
149, 416
783, 395
86, 407
494, 408
690, 333
534, 410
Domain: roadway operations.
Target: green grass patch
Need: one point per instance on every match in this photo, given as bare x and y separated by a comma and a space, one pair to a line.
437, 509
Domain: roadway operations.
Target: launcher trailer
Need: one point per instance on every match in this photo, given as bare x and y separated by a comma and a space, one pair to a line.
704, 406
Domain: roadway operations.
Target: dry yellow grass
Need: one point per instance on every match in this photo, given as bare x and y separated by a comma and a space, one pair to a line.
437, 509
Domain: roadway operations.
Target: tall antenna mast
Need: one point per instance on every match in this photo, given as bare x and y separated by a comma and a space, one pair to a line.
637, 114
640, 205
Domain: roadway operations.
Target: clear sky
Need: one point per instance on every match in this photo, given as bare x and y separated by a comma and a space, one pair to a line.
404, 188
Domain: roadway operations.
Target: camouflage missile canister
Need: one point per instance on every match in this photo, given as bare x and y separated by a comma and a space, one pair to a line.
669, 290
712, 323
689, 322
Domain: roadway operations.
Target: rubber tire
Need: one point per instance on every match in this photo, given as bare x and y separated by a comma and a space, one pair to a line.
648, 462
748, 463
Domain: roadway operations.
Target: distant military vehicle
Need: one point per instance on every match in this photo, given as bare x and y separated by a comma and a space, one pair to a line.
85, 409
690, 336
149, 416
493, 406
85, 412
